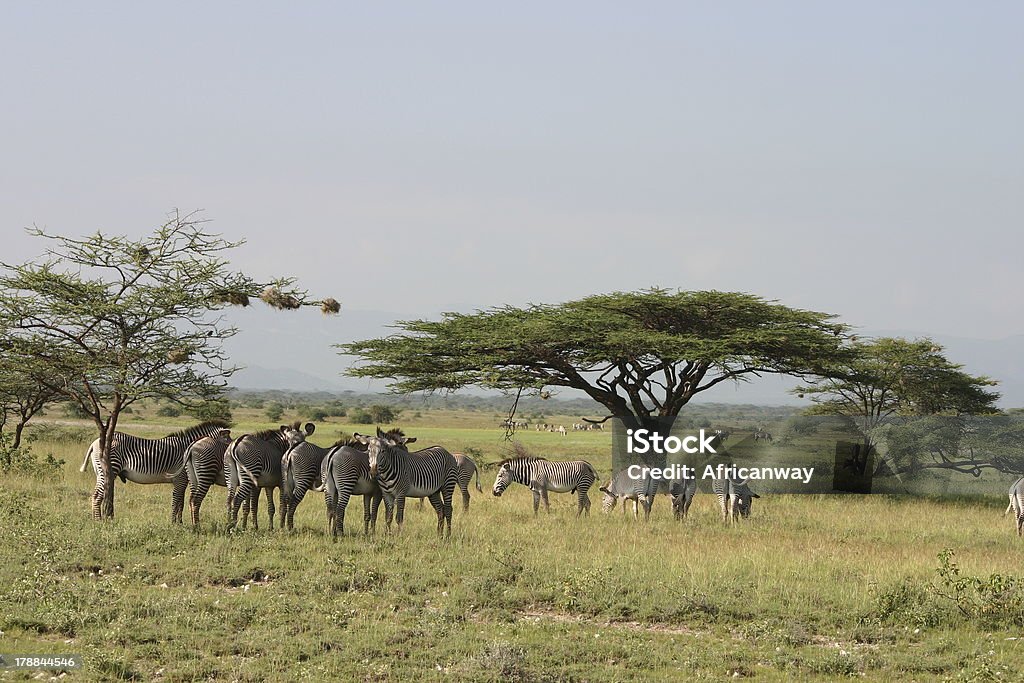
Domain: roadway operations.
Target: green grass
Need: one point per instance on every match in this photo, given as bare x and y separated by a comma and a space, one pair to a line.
813, 587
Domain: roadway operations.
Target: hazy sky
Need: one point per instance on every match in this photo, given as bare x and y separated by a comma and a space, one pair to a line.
858, 158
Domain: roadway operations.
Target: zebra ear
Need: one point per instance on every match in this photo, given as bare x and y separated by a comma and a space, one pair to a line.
754, 495
380, 434
360, 438
409, 440
284, 428
310, 428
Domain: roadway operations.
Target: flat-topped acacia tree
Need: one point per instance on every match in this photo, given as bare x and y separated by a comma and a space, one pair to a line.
105, 321
641, 355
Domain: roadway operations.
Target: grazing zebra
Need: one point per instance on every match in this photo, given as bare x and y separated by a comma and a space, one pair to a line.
204, 467
430, 472
253, 462
640, 490
1017, 504
148, 461
762, 435
346, 472
575, 476
734, 498
682, 491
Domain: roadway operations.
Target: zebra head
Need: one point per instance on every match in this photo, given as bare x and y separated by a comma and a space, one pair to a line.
503, 480
380, 447
293, 436
608, 500
743, 500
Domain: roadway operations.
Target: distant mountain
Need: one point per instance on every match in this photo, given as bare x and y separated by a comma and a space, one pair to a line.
255, 377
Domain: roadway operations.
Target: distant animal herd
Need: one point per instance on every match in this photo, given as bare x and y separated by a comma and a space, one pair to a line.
380, 468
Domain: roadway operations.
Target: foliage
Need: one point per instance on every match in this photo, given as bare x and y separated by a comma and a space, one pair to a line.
274, 412
639, 354
107, 321
22, 458
964, 443
168, 410
993, 600
212, 409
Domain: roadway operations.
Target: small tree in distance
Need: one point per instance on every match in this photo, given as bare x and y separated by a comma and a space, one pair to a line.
106, 321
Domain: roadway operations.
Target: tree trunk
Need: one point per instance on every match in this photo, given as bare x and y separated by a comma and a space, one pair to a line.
18, 429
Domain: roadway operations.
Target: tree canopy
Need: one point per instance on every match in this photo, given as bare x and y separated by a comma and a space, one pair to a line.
642, 355
105, 321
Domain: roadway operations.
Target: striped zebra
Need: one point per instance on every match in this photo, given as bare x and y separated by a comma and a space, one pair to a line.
735, 498
467, 469
302, 469
253, 462
148, 461
430, 472
204, 467
541, 476
346, 472
639, 490
1017, 505
682, 491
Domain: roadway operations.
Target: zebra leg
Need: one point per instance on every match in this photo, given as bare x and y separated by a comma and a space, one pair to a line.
373, 501
536, 501
270, 506
254, 507
389, 510
195, 503
547, 504
446, 502
178, 497
435, 502
464, 485
399, 511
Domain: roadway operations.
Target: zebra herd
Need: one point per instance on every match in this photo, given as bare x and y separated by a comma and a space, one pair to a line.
380, 468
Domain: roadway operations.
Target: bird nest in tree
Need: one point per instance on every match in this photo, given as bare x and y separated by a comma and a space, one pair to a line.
272, 296
233, 298
177, 356
329, 306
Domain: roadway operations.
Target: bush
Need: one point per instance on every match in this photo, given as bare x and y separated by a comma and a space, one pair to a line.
168, 411
214, 409
383, 414
316, 414
24, 460
361, 417
74, 411
274, 412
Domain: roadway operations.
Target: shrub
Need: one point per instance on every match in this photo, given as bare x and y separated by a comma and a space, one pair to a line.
274, 412
168, 411
214, 409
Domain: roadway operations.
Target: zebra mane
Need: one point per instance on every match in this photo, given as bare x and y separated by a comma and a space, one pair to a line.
519, 458
198, 429
267, 434
350, 442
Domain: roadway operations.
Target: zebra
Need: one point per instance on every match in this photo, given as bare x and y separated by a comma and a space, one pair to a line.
148, 461
467, 469
734, 498
253, 462
640, 490
762, 435
302, 468
541, 475
346, 471
682, 491
1017, 505
204, 467
430, 472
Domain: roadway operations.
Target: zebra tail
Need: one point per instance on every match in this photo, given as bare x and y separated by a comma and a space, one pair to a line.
239, 467
88, 458
190, 467
477, 472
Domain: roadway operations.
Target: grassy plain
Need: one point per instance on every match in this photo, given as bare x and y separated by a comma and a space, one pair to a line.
813, 587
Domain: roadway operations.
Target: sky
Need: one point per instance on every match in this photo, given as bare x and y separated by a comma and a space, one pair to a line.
863, 159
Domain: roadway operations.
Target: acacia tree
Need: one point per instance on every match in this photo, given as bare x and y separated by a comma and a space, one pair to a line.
21, 397
889, 377
106, 321
641, 355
